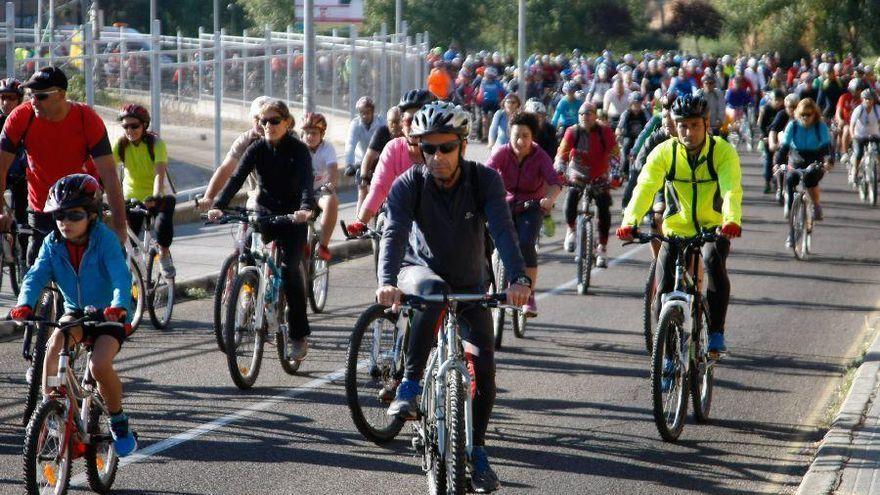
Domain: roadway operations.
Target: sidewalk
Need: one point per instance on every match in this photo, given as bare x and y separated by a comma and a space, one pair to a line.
848, 459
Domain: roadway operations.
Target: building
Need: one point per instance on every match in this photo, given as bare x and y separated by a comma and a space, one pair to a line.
334, 13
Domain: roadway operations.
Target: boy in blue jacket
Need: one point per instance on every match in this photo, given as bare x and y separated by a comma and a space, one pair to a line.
84, 258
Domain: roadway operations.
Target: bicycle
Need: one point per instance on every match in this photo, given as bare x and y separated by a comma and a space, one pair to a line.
70, 423
316, 271
373, 235
800, 215
13, 257
680, 342
866, 182
228, 271
144, 252
585, 238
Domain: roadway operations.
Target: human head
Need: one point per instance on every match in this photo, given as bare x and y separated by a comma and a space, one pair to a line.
807, 112
254, 111
68, 197
512, 103
314, 127
869, 98
275, 119
691, 116
588, 113
366, 109
393, 117
791, 102
11, 94
442, 129
135, 120
778, 98
48, 91
523, 129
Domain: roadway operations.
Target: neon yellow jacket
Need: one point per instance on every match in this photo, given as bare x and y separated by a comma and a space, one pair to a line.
714, 186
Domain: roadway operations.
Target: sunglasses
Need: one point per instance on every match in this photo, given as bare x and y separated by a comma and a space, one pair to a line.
445, 148
71, 215
131, 126
272, 121
42, 95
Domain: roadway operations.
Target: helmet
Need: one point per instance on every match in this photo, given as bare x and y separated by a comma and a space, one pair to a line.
491, 71
709, 79
636, 97
854, 84
315, 121
869, 94
726, 60
568, 87
414, 98
534, 105
365, 102
257, 104
791, 99
689, 106
441, 117
11, 85
136, 111
72, 191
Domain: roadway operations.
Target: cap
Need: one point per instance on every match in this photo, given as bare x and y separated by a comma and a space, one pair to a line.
45, 78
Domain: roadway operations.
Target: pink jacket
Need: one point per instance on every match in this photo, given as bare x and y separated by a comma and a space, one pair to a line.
393, 162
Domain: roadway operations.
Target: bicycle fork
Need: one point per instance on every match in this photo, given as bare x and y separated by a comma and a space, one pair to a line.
685, 302
454, 361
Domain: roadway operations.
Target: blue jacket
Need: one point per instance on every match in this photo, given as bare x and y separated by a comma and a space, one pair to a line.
103, 279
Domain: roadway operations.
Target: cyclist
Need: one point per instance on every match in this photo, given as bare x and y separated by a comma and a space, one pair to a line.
810, 140
500, 128
546, 135
766, 116
864, 127
738, 98
448, 255
585, 156
698, 169
528, 175
845, 105
396, 158
716, 101
392, 129
360, 131
11, 96
60, 137
283, 168
326, 173
84, 258
566, 114
615, 101
489, 97
145, 159
630, 126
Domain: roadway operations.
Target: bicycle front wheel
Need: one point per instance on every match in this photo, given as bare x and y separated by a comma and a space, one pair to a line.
160, 300
498, 314
585, 253
456, 454
871, 180
243, 340
319, 279
669, 375
101, 459
138, 295
47, 450
798, 223
648, 318
373, 370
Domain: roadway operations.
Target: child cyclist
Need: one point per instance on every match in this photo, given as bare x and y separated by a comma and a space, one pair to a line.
87, 262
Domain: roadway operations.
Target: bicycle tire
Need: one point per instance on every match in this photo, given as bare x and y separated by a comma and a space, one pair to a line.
138, 295
520, 323
161, 290
290, 366
318, 283
378, 377
228, 272
585, 254
60, 477
102, 461
668, 334
244, 375
702, 373
45, 310
872, 182
798, 226
648, 310
456, 454
436, 468
498, 314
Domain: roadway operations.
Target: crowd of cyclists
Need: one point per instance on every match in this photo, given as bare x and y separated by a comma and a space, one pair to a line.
665, 127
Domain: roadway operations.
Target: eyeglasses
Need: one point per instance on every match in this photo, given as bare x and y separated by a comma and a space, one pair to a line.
9, 97
807, 115
131, 126
445, 148
272, 121
42, 95
70, 215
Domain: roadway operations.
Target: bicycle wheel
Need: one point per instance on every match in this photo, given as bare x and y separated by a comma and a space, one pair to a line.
436, 467
585, 253
798, 223
289, 365
243, 340
17, 267
138, 295
648, 319
45, 310
871, 180
498, 314
47, 451
222, 291
520, 320
456, 455
374, 368
702, 371
670, 406
160, 295
101, 459
319, 279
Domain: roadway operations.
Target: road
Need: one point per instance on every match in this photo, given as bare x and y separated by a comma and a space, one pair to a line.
573, 409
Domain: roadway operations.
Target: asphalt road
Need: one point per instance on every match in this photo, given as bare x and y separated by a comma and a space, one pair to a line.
573, 413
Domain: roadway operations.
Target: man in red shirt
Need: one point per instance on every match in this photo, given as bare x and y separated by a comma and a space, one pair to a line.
61, 138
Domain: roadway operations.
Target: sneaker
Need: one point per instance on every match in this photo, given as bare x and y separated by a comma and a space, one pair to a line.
549, 226
601, 260
324, 253
483, 478
406, 402
531, 307
124, 441
817, 212
789, 241
716, 344
297, 348
388, 391
569, 241
668, 375
166, 264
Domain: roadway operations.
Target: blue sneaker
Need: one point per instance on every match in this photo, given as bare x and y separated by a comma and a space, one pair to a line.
406, 405
124, 440
716, 344
483, 478
668, 375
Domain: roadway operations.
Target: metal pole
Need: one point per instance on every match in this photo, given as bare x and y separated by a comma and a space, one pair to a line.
51, 32
404, 51
267, 64
122, 57
218, 90
180, 69
244, 66
521, 50
216, 19
398, 17
417, 66
423, 55
333, 84
289, 63
156, 77
152, 10
88, 63
10, 39
38, 29
201, 60
309, 56
353, 71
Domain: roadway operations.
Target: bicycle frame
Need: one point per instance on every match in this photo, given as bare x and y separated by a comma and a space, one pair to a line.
266, 257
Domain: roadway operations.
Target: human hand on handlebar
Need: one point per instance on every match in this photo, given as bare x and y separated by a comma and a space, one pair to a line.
300, 216
214, 214
204, 204
626, 233
518, 294
389, 295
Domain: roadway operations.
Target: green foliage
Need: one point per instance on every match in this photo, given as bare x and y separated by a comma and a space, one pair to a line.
697, 18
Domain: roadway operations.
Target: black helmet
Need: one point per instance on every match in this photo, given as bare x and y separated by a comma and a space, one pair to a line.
689, 106
72, 191
11, 85
415, 98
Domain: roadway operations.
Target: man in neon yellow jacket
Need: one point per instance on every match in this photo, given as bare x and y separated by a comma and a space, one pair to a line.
702, 183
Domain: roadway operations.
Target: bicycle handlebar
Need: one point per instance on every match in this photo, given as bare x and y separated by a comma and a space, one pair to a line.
485, 300
368, 233
700, 239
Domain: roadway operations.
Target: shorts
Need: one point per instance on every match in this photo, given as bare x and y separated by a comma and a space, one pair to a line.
91, 334
490, 106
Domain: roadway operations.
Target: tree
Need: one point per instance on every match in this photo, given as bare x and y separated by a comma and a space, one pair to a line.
697, 18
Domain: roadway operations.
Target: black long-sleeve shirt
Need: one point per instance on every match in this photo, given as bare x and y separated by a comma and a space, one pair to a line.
284, 176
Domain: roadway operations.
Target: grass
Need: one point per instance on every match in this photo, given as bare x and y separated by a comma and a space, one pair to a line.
196, 293
849, 374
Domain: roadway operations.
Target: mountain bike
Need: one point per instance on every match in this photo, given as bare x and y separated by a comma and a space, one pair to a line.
800, 215
232, 264
501, 312
585, 236
144, 253
13, 256
316, 271
680, 352
69, 423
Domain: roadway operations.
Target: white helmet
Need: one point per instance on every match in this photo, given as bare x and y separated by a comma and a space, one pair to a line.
441, 117
628, 58
257, 105
534, 105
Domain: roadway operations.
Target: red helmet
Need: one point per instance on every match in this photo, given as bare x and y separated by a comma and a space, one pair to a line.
135, 111
314, 120
72, 191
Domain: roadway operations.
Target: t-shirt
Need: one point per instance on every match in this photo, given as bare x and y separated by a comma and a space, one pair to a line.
779, 122
54, 149
322, 159
236, 151
380, 139
140, 169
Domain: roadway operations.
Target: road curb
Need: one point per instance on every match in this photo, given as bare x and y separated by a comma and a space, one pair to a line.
836, 448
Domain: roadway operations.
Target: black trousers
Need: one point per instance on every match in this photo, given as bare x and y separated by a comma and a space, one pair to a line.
291, 240
603, 207
164, 211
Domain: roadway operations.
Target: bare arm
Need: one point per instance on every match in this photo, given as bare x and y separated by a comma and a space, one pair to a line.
6, 159
159, 181
107, 170
219, 179
371, 157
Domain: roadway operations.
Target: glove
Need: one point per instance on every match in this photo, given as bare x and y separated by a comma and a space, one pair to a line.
356, 229
731, 230
626, 233
350, 170
21, 313
616, 182
114, 314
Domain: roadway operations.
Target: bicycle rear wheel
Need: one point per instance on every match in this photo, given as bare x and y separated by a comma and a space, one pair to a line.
373, 370
585, 253
319, 279
138, 295
871, 181
282, 336
702, 370
243, 340
160, 294
222, 292
648, 318
101, 459
798, 227
670, 405
498, 314
46, 311
47, 450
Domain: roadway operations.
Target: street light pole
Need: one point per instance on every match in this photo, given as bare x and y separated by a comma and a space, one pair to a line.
521, 49
309, 56
398, 16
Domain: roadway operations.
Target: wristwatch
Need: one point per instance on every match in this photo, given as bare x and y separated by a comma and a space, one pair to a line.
523, 280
